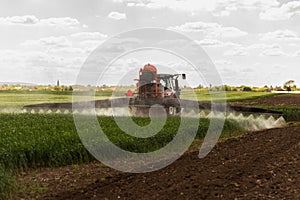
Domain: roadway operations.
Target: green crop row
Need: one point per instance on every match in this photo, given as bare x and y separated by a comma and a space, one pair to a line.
289, 113
7, 183
38, 140
29, 140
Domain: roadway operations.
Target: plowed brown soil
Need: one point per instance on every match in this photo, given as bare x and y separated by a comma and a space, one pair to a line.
291, 100
259, 165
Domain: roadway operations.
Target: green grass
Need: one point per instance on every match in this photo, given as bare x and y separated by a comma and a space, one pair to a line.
18, 99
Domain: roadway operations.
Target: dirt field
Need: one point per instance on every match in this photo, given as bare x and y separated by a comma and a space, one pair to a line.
278, 100
257, 165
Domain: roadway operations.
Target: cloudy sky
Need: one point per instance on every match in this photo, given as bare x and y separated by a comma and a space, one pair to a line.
252, 42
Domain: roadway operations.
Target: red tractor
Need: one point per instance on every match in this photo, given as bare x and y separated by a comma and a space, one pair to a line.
156, 89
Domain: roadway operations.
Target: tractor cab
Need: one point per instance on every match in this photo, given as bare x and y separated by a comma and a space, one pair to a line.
153, 85
156, 89
169, 85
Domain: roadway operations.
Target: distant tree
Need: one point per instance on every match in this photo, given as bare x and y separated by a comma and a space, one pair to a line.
56, 88
247, 89
199, 86
227, 88
65, 88
70, 88
289, 85
217, 88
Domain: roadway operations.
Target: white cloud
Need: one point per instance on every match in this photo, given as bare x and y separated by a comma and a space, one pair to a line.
267, 49
76, 45
262, 46
216, 7
88, 40
227, 74
284, 12
89, 45
56, 42
210, 43
273, 51
39, 67
31, 20
215, 43
11, 58
225, 7
236, 52
89, 36
23, 20
247, 70
72, 51
211, 30
178, 5
296, 54
117, 15
223, 62
279, 35
63, 21
41, 59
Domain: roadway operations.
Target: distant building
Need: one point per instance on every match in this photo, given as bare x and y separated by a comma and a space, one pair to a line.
99, 89
239, 89
278, 89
